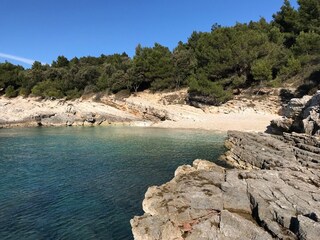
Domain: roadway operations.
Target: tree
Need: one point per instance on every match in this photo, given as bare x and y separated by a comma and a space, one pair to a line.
62, 61
184, 64
11, 92
307, 44
261, 70
152, 68
287, 20
10, 75
47, 89
309, 15
36, 65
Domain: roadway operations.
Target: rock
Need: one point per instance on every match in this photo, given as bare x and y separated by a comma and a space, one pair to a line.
71, 109
295, 106
281, 125
233, 226
300, 115
152, 112
274, 193
308, 229
154, 228
42, 117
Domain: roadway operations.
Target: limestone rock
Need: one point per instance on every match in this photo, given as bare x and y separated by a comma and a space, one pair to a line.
295, 106
274, 193
300, 115
308, 228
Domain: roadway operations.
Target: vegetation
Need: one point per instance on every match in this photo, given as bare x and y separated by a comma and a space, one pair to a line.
211, 64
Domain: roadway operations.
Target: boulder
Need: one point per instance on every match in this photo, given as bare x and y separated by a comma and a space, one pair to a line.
300, 115
295, 106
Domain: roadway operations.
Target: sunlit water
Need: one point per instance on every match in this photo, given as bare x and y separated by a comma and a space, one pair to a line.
87, 183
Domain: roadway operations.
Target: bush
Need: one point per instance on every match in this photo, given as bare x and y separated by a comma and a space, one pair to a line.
73, 94
292, 67
11, 92
24, 92
47, 89
213, 90
261, 70
162, 84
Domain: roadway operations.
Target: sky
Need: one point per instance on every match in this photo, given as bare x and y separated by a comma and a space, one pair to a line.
44, 29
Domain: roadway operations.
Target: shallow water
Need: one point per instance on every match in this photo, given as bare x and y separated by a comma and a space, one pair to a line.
88, 182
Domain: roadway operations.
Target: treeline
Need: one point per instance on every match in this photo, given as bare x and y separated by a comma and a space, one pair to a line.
212, 64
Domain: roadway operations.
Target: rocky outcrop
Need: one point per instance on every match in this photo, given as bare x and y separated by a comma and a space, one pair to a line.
272, 194
300, 115
44, 112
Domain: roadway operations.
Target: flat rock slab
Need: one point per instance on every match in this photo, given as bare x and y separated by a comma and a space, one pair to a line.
273, 194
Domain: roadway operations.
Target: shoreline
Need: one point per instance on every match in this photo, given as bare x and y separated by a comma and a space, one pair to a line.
164, 110
223, 123
273, 182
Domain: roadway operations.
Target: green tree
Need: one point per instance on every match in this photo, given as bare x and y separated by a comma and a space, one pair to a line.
11, 92
184, 64
47, 89
309, 15
261, 70
287, 19
307, 44
62, 61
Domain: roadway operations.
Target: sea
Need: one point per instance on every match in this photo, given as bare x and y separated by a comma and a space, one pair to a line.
88, 182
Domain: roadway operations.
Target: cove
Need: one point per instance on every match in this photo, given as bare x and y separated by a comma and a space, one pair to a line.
88, 182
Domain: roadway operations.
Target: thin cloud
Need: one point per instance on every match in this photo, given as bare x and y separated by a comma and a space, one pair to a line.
16, 58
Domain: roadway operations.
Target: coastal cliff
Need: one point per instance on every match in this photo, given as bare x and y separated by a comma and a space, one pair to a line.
273, 193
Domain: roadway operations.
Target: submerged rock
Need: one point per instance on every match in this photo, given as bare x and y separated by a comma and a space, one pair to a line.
274, 193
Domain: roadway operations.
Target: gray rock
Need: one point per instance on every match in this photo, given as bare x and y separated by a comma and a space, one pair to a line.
71, 109
233, 226
308, 229
300, 115
274, 193
295, 106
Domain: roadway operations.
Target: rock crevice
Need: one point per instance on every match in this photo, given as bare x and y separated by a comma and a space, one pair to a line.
272, 193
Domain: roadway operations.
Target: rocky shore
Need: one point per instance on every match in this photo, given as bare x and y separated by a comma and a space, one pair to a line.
299, 115
270, 188
273, 193
168, 110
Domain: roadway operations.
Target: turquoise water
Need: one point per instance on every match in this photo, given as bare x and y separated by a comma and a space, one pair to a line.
87, 183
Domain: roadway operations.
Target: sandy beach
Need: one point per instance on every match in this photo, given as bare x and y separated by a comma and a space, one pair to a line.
165, 110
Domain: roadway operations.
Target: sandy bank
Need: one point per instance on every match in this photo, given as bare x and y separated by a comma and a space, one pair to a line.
167, 110
247, 121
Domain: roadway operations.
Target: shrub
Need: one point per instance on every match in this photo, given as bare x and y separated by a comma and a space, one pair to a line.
24, 92
261, 70
11, 92
206, 88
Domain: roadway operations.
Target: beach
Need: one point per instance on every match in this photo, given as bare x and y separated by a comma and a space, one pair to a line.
165, 110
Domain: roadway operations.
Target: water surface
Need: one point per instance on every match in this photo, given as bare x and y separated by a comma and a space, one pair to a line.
88, 182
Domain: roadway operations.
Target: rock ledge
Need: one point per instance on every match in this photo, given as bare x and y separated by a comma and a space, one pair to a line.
272, 194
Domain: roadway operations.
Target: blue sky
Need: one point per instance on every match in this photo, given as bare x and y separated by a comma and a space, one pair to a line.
44, 29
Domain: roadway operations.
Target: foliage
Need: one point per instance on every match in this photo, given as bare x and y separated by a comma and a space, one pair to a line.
200, 85
11, 92
261, 70
47, 89
211, 64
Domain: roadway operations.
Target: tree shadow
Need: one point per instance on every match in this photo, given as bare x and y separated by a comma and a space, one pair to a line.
310, 86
